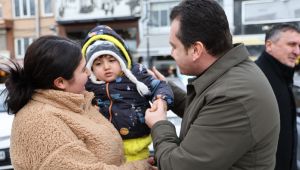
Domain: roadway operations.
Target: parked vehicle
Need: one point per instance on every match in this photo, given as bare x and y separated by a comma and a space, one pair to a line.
298, 147
296, 91
176, 121
5, 130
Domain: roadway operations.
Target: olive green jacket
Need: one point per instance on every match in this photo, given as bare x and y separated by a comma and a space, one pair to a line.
230, 120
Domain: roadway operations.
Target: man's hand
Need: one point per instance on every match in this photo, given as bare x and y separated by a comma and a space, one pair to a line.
155, 73
156, 113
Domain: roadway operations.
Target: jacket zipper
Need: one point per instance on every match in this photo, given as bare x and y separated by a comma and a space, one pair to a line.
111, 102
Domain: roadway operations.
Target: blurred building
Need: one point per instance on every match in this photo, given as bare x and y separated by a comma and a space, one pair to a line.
21, 22
155, 25
248, 21
144, 24
76, 17
256, 16
253, 18
154, 31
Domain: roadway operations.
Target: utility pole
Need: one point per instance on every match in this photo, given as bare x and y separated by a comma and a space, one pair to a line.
147, 32
37, 18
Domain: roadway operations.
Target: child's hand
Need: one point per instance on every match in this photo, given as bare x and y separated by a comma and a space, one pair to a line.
154, 105
97, 107
152, 117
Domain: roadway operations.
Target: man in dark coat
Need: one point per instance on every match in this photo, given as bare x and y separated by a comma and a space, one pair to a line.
277, 62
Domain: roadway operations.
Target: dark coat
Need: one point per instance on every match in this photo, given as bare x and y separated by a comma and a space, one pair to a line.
230, 120
120, 102
281, 80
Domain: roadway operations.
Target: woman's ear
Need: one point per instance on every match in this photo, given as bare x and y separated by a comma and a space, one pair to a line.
60, 83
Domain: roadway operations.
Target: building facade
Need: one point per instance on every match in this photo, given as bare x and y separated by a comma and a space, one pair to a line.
75, 18
21, 22
256, 16
144, 24
248, 21
154, 45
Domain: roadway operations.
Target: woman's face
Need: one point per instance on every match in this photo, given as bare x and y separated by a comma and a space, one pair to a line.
80, 77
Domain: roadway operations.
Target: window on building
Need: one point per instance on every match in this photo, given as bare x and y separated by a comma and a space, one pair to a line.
159, 13
129, 35
47, 7
164, 18
21, 45
154, 18
269, 12
221, 2
24, 8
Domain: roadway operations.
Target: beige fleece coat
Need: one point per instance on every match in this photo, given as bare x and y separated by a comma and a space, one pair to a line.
61, 130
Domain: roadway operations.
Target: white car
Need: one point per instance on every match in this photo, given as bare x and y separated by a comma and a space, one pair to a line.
173, 118
5, 129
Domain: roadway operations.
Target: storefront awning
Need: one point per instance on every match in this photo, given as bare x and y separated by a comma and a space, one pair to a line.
158, 46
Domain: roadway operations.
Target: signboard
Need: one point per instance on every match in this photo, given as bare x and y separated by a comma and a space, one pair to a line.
270, 11
72, 10
2, 155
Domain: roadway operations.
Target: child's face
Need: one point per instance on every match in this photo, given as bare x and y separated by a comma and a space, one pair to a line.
106, 68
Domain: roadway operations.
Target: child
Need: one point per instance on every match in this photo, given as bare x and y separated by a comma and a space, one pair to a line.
122, 89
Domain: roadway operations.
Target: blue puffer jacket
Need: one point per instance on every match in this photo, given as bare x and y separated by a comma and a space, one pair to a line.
120, 102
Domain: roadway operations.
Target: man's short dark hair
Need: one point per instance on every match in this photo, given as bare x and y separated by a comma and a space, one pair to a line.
205, 21
273, 33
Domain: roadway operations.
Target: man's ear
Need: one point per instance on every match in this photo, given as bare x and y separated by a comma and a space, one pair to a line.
268, 45
198, 49
60, 83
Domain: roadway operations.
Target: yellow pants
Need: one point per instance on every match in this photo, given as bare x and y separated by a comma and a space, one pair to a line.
137, 149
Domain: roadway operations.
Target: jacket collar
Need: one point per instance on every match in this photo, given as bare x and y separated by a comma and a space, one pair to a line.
282, 70
64, 100
233, 57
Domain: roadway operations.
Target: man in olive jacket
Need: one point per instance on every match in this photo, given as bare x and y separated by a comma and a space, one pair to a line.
230, 118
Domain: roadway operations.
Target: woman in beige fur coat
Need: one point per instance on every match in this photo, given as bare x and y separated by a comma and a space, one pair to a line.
55, 126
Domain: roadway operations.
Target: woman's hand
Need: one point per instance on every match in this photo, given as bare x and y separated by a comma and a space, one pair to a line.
151, 161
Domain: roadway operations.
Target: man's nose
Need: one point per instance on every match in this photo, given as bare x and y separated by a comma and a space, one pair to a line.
297, 50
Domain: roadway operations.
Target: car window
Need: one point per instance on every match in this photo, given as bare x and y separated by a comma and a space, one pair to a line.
2, 98
175, 120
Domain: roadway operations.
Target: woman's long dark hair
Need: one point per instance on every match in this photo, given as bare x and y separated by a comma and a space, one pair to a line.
46, 59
